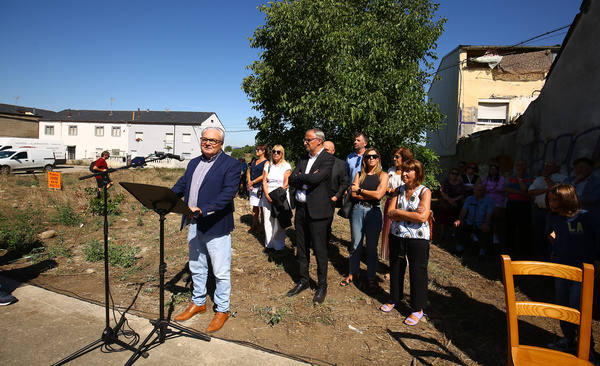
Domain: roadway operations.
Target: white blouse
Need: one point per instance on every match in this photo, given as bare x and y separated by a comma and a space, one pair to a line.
275, 175
395, 180
407, 229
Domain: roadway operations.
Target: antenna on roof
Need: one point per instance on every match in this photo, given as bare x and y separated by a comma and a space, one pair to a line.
16, 100
111, 102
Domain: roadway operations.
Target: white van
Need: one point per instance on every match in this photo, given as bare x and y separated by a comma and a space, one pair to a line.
26, 159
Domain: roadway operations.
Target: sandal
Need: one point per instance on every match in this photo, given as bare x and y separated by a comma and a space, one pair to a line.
414, 318
346, 281
386, 308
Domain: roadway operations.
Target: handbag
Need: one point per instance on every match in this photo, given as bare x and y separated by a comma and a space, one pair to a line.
346, 209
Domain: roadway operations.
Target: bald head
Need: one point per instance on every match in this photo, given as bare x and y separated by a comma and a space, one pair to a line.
329, 147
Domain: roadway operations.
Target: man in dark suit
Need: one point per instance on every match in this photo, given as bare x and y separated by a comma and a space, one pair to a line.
314, 208
209, 185
339, 181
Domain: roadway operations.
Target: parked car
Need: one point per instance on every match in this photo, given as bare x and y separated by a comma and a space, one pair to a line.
26, 160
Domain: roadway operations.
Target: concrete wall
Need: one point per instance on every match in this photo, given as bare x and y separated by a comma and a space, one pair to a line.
12, 126
444, 92
564, 122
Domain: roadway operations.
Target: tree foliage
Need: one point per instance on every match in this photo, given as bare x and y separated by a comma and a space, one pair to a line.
344, 66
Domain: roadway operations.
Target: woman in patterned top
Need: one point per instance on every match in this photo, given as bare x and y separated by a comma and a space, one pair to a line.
409, 240
254, 176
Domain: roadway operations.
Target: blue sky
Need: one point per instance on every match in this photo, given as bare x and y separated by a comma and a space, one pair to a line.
191, 55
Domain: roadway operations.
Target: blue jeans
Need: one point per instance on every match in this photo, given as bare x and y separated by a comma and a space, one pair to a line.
218, 248
364, 222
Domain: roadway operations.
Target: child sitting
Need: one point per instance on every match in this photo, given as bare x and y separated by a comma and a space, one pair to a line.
574, 237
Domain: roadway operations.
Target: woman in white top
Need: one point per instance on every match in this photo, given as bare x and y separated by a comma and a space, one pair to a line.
394, 181
276, 175
409, 240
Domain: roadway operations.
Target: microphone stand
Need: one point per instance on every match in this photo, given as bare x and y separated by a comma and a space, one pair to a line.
110, 335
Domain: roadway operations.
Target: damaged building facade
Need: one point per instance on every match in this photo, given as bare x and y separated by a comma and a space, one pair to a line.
562, 122
482, 87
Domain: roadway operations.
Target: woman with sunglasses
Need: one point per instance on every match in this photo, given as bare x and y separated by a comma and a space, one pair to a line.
453, 193
368, 187
394, 181
276, 174
409, 240
254, 175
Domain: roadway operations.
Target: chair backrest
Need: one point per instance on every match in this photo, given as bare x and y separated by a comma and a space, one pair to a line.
515, 308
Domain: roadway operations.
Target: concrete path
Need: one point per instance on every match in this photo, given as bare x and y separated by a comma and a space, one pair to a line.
44, 327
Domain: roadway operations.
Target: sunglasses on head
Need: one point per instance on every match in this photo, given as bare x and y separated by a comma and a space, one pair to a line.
372, 157
276, 151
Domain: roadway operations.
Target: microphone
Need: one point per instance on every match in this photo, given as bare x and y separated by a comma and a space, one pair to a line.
176, 157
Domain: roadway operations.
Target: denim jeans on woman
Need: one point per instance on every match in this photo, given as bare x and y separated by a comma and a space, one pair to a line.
364, 222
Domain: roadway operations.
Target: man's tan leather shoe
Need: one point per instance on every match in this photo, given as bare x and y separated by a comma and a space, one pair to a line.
217, 322
192, 310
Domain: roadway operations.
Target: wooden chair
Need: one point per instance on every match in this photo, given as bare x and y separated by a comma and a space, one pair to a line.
530, 355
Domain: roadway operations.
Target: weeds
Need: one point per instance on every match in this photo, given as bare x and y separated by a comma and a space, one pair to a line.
65, 214
19, 230
130, 271
118, 254
27, 182
180, 297
96, 202
271, 315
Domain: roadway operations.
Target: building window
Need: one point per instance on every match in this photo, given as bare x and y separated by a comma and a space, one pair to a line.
139, 136
492, 112
169, 138
49, 130
186, 137
72, 130
186, 155
115, 132
98, 152
99, 131
115, 152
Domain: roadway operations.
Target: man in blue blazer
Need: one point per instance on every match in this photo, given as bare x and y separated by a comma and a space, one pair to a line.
209, 185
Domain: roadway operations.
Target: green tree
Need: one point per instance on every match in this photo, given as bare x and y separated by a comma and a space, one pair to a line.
344, 66
228, 148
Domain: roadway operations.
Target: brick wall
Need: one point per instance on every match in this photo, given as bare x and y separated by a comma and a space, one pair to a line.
11, 126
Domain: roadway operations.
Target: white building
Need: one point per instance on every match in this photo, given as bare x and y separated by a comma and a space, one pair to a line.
86, 133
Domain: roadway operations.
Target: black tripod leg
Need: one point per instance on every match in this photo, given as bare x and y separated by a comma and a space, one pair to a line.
90, 347
191, 332
139, 351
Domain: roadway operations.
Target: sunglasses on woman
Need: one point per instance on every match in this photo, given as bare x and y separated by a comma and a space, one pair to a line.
276, 152
368, 157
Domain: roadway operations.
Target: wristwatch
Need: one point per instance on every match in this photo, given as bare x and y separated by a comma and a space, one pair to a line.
359, 191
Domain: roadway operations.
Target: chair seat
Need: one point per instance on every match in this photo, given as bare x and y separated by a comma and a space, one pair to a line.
530, 355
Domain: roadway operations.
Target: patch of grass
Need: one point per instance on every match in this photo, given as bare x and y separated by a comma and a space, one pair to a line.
118, 254
130, 271
179, 298
19, 229
65, 214
139, 221
271, 315
96, 202
27, 182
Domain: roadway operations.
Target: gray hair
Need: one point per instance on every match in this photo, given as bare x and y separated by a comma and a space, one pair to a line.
319, 134
221, 131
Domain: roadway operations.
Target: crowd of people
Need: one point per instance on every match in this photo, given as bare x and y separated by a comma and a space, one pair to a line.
508, 211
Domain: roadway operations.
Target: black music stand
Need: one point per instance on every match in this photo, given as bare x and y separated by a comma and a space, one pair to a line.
163, 201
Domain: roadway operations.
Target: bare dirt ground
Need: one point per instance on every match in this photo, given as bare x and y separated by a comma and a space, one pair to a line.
465, 320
